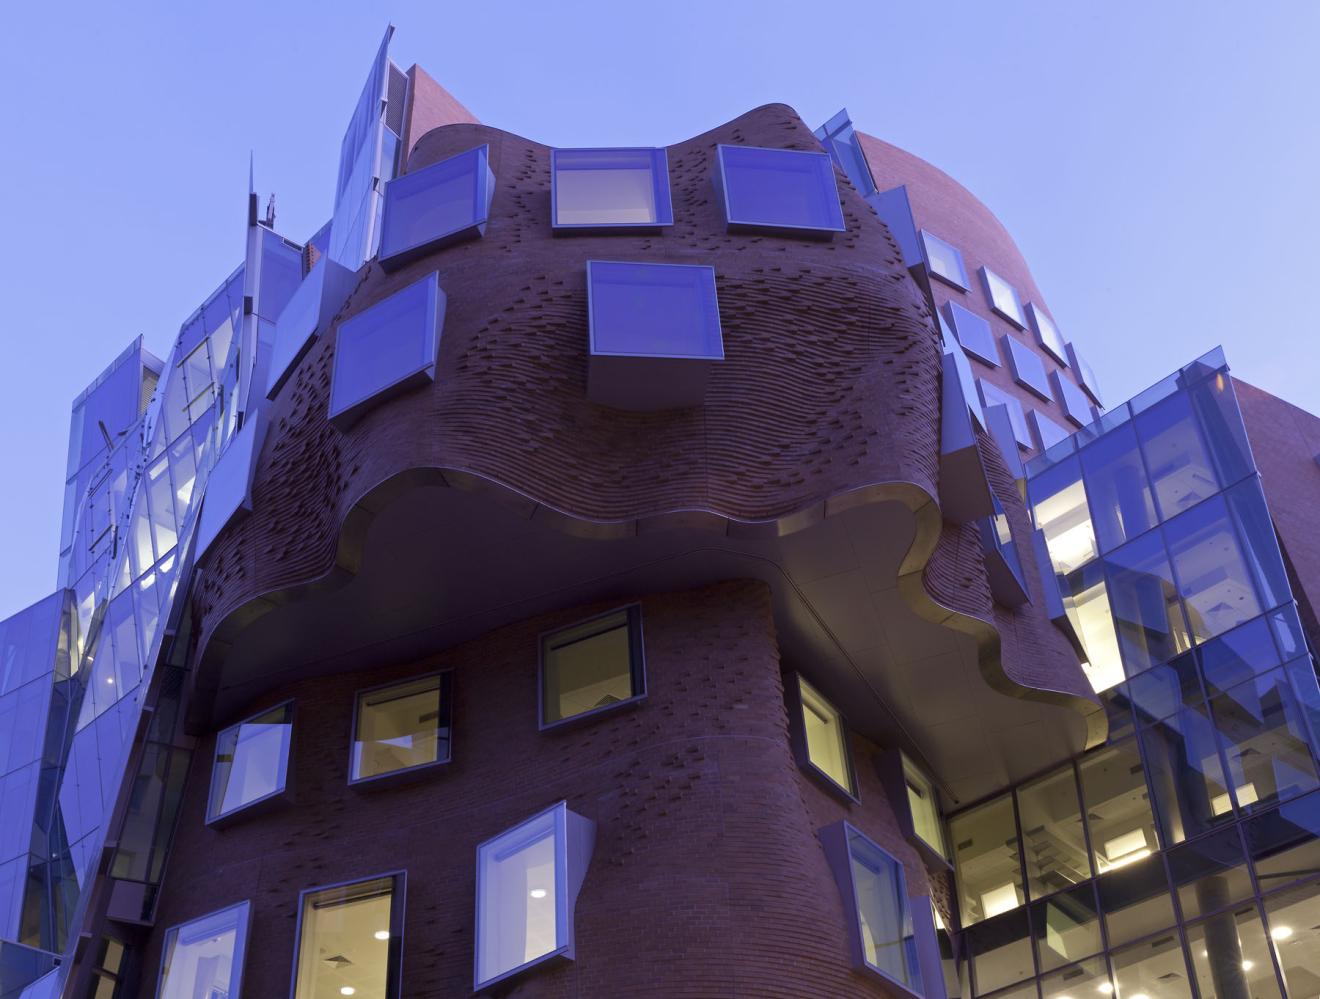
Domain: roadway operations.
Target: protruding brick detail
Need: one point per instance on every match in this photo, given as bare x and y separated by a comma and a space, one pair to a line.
707, 879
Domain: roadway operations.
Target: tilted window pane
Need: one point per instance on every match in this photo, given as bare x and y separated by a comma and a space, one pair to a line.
1263, 731
988, 871
1075, 404
653, 310
1121, 503
1152, 968
779, 189
1053, 841
973, 333
388, 348
1003, 298
1048, 433
1001, 952
1294, 918
348, 940
1161, 691
1180, 467
1186, 774
945, 260
610, 187
1285, 844
1260, 548
590, 666
1231, 957
251, 761
826, 737
428, 207
1047, 334
402, 727
924, 804
1066, 927
888, 943
1210, 873
1212, 574
1117, 809
1147, 611
1027, 367
204, 958
1238, 655
992, 395
1059, 506
1135, 900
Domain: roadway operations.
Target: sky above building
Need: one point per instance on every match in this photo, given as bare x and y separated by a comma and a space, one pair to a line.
1156, 163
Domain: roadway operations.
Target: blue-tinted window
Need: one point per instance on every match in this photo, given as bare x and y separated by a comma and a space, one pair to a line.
1048, 433
1047, 334
1121, 503
973, 333
1238, 655
610, 188
435, 205
296, 327
1181, 472
1003, 298
945, 260
1147, 613
992, 395
229, 487
653, 310
1212, 574
779, 189
251, 762
389, 348
1186, 774
1075, 404
1251, 517
1085, 375
204, 957
1027, 367
840, 140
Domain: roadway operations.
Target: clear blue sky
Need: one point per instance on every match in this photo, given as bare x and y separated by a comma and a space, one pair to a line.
1157, 163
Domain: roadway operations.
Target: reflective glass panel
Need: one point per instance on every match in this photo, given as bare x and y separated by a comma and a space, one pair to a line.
826, 737
988, 871
992, 395
1212, 574
1053, 840
1121, 503
1263, 731
1088, 978
888, 943
1048, 433
1027, 367
1003, 298
520, 878
1186, 775
1047, 334
973, 333
1260, 548
1161, 691
347, 942
204, 958
590, 666
610, 187
1001, 952
251, 761
1075, 404
1180, 468
1238, 655
1154, 968
426, 207
1144, 599
924, 804
779, 189
1117, 807
1285, 844
1294, 918
1210, 873
1066, 927
1063, 516
1230, 956
401, 727
945, 260
390, 346
653, 310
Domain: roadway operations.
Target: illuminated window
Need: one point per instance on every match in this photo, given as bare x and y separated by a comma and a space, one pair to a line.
924, 805
985, 853
610, 189
1003, 298
527, 885
404, 726
204, 957
822, 741
251, 762
350, 940
945, 260
592, 666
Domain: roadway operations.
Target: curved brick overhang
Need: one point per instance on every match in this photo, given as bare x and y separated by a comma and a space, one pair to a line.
827, 404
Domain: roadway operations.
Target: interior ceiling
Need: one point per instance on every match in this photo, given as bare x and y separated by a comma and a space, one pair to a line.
441, 566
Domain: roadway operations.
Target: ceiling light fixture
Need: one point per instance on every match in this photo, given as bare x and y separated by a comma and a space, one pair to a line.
1105, 987
347, 990
1248, 965
382, 934
538, 893
1281, 932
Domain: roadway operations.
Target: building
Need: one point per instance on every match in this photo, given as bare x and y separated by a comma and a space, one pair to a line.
702, 570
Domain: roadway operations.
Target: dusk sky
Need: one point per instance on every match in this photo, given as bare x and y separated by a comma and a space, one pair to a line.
1157, 164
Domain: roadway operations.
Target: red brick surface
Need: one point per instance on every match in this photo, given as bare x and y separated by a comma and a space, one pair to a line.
707, 877
429, 106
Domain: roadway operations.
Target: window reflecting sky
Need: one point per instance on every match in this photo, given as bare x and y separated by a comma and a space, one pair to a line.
1127, 158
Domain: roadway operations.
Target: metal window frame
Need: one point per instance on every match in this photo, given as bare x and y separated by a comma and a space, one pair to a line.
274, 797
636, 665
398, 907
445, 686
660, 188
237, 960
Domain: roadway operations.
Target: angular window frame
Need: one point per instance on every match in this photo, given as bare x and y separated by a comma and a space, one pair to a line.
637, 667
660, 191
398, 905
575, 840
952, 312
961, 281
1017, 316
1027, 368
483, 193
834, 207
1046, 333
237, 958
901, 779
795, 688
444, 723
270, 799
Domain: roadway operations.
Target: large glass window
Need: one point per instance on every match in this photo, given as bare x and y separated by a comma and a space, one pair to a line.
401, 727
1180, 467
204, 957
1061, 512
436, 205
1210, 873
973, 333
1121, 504
1053, 841
610, 189
1151, 968
824, 739
988, 869
993, 395
924, 805
1147, 612
1285, 843
1186, 775
1000, 951
251, 762
350, 940
945, 259
1135, 900
527, 885
779, 190
881, 906
1066, 927
1294, 918
592, 666
1047, 334
1117, 808
386, 349
1027, 367
1084, 979
1003, 298
1231, 957
1212, 575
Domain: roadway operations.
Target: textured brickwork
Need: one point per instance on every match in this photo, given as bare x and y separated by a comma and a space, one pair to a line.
429, 106
707, 878
1285, 442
